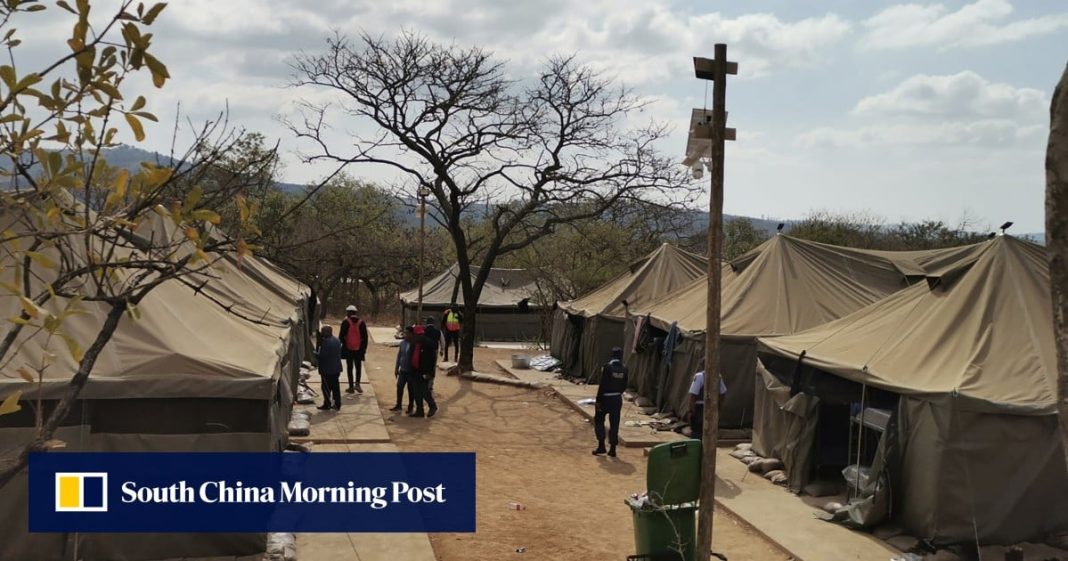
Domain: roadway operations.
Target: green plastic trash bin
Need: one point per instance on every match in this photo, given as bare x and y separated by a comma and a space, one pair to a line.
665, 526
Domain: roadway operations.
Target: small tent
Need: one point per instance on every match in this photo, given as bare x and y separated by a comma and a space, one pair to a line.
508, 308
783, 286
207, 367
585, 329
956, 377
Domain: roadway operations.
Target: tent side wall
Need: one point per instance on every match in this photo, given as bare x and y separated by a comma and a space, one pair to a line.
599, 335
141, 425
996, 471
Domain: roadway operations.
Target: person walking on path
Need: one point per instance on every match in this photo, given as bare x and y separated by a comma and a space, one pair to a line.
354, 339
403, 370
453, 321
329, 357
697, 402
609, 402
423, 365
436, 341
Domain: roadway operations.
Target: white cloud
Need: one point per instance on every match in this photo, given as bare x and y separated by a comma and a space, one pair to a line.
981, 23
962, 95
984, 133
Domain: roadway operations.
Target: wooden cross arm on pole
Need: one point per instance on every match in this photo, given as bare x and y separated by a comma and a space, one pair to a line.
705, 68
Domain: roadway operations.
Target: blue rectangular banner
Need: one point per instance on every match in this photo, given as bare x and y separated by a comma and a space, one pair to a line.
252, 492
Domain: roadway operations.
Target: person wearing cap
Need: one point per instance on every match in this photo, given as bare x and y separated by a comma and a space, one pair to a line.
609, 402
423, 365
354, 341
329, 358
697, 401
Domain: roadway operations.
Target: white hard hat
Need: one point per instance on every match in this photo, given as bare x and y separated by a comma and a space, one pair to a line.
351, 308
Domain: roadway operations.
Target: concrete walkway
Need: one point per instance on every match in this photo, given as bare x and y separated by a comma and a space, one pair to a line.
787, 520
572, 394
383, 336
358, 427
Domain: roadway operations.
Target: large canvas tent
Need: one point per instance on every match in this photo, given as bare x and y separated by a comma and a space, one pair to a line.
964, 367
585, 329
508, 308
213, 371
783, 286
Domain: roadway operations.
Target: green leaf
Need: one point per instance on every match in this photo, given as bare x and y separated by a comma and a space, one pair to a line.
26, 374
205, 215
29, 307
138, 103
41, 259
153, 13
194, 196
135, 125
7, 74
73, 347
11, 404
63, 4
158, 69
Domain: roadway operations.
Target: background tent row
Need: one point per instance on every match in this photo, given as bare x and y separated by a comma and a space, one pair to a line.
188, 375
508, 308
585, 329
957, 379
783, 286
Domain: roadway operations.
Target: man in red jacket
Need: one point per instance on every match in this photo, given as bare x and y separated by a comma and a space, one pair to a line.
354, 341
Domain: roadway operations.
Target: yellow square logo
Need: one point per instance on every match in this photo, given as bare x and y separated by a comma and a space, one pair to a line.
81, 492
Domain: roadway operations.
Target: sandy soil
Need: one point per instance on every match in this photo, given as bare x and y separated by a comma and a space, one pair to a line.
533, 449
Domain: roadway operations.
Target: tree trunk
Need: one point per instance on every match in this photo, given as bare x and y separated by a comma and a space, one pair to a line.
9, 469
1057, 240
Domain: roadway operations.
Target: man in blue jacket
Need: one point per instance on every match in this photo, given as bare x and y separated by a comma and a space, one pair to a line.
329, 355
404, 372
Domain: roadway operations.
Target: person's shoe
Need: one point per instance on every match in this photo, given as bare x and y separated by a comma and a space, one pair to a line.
600, 451
323, 407
410, 409
433, 410
359, 389
395, 408
417, 414
612, 451
338, 408
350, 390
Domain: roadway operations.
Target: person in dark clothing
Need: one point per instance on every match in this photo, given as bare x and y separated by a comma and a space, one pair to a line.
354, 341
610, 402
403, 370
423, 367
453, 321
434, 338
696, 415
329, 358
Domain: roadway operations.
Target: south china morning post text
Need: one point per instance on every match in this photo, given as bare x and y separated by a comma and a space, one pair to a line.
210, 492
252, 492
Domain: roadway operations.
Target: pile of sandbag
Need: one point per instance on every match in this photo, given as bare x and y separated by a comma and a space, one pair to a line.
299, 424
305, 395
281, 547
771, 468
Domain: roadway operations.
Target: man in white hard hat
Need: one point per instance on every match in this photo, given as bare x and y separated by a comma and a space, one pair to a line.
354, 341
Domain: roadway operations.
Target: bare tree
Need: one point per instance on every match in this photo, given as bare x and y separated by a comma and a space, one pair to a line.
77, 234
540, 153
1057, 239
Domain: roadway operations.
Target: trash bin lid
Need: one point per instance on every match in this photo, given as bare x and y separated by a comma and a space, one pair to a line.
673, 473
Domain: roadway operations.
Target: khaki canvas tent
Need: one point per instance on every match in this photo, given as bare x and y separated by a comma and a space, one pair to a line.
961, 370
585, 329
508, 308
189, 375
783, 286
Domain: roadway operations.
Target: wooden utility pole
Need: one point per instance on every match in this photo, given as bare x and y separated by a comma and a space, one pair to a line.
715, 70
422, 250
1057, 240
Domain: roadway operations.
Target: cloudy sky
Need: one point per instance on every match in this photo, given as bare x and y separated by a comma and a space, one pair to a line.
906, 110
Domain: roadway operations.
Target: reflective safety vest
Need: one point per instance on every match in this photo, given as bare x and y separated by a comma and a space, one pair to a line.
452, 322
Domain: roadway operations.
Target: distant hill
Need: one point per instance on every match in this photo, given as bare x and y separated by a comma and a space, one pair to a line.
131, 158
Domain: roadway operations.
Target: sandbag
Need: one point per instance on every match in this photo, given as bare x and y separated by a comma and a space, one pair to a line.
765, 465
299, 427
832, 507
780, 477
281, 547
750, 460
305, 397
744, 446
643, 402
821, 489
739, 454
772, 473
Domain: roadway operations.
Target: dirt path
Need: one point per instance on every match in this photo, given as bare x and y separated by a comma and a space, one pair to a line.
533, 449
